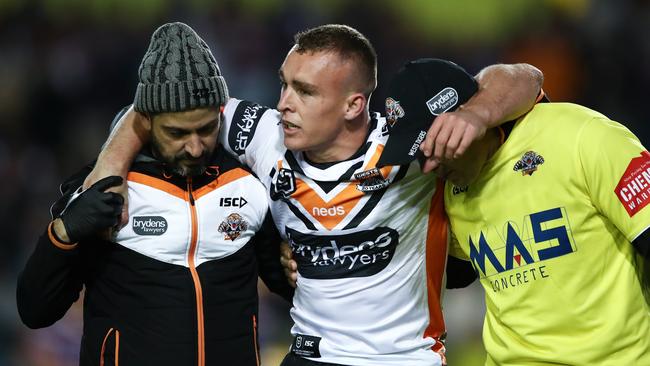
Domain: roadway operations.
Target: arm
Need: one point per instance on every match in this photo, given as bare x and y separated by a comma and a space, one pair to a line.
505, 93
49, 283
642, 244
267, 250
52, 278
130, 131
289, 264
460, 273
611, 156
251, 132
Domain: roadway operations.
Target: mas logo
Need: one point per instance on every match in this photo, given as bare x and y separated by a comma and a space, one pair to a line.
633, 189
528, 163
233, 226
513, 254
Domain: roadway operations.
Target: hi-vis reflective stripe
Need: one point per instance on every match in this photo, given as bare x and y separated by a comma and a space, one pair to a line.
436, 256
195, 276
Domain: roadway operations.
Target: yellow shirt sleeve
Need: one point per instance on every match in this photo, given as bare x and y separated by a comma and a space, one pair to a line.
616, 169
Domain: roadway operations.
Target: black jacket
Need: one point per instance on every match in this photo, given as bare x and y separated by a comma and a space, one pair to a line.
178, 285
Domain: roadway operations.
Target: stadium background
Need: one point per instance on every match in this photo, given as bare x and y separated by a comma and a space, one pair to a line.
67, 66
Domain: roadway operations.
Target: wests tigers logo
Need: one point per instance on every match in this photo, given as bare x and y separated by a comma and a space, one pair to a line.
233, 226
528, 163
393, 111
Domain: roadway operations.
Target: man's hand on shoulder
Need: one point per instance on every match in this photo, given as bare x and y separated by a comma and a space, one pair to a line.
506, 92
101, 171
93, 211
450, 135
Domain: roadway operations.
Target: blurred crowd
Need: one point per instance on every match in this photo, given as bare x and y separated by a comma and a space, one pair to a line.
67, 66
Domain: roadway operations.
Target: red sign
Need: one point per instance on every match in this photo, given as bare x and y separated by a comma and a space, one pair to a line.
633, 189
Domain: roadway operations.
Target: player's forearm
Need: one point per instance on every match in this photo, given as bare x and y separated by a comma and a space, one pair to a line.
123, 144
505, 92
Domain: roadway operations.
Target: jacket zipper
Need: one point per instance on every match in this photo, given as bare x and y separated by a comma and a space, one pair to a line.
195, 276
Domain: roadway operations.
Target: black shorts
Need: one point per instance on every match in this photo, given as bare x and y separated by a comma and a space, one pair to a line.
292, 360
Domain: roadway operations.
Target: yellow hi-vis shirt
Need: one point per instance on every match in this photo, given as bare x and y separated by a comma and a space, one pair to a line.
548, 227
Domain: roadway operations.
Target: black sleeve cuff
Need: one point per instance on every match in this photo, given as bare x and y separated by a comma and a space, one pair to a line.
460, 273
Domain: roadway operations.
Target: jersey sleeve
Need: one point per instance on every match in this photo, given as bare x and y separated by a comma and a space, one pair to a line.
617, 173
460, 273
252, 133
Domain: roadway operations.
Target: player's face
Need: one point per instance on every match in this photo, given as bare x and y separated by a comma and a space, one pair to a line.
315, 86
186, 140
465, 169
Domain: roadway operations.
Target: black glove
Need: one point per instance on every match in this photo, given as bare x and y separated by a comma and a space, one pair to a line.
93, 210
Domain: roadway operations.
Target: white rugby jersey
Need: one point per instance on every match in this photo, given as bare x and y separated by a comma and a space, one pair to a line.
370, 259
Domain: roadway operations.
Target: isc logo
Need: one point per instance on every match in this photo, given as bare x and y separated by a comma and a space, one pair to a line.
232, 202
331, 211
305, 346
544, 238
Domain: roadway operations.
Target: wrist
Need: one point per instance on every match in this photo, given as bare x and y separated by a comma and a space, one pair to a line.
59, 235
112, 161
58, 229
484, 110
125, 141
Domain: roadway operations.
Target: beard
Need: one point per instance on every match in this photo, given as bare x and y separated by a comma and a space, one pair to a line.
182, 163
186, 167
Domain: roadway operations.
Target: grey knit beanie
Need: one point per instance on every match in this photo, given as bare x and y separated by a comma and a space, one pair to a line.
178, 73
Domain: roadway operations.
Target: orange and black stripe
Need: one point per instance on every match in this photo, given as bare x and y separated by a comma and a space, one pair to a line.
436, 256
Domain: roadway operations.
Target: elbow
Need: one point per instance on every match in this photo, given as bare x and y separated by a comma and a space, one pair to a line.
33, 310
33, 318
34, 323
521, 74
535, 75
279, 285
